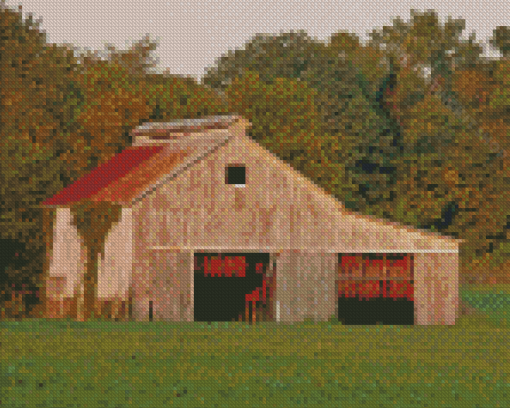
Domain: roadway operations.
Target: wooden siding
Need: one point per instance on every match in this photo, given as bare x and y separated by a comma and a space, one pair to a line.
164, 278
436, 288
306, 286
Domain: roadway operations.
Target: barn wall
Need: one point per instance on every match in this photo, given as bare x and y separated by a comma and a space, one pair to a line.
166, 279
114, 275
142, 262
306, 286
68, 258
436, 288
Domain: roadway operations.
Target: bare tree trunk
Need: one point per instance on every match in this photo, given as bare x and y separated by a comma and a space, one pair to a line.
90, 282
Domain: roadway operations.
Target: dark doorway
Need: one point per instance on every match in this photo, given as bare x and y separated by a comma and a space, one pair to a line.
223, 280
376, 310
376, 289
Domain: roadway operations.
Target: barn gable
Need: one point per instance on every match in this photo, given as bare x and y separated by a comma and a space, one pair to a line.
277, 207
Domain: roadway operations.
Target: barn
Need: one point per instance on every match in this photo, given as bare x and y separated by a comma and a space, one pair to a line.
214, 227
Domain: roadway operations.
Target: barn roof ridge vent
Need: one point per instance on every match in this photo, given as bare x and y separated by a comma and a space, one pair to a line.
174, 129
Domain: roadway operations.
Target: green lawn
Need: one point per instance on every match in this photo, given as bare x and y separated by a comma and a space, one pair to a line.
111, 364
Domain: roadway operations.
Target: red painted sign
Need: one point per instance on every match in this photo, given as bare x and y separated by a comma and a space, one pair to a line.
372, 289
226, 266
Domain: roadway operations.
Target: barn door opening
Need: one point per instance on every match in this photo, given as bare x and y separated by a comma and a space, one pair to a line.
231, 287
376, 289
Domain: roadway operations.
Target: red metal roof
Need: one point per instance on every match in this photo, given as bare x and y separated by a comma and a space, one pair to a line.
102, 176
124, 189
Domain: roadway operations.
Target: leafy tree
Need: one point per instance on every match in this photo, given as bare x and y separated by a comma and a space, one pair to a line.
36, 118
495, 112
282, 113
448, 178
137, 60
424, 42
274, 56
480, 92
501, 40
473, 87
378, 68
285, 120
113, 103
174, 97
466, 88
353, 117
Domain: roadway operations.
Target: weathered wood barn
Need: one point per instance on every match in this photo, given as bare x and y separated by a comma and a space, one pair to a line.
212, 222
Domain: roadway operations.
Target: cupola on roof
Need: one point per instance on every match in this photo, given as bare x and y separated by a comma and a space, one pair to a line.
161, 130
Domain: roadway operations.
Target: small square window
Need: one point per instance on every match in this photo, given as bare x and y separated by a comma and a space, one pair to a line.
236, 174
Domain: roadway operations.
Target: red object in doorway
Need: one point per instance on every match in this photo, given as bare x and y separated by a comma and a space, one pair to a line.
225, 266
230, 267
240, 266
370, 289
216, 267
376, 262
401, 263
349, 261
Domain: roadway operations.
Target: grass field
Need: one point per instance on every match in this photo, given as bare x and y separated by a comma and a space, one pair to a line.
113, 364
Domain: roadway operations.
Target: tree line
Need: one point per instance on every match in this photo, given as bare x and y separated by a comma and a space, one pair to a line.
361, 120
